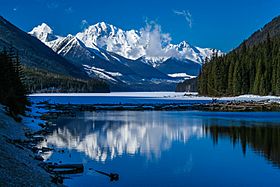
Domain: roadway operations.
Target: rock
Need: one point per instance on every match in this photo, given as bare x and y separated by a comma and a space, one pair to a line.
61, 151
42, 125
46, 149
65, 168
38, 157
35, 149
57, 179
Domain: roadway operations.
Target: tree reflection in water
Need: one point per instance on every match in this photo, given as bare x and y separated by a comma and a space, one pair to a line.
264, 140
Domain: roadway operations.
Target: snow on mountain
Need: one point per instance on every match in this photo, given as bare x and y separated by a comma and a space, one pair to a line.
102, 73
182, 51
127, 57
113, 39
208, 52
130, 44
94, 61
186, 51
72, 47
44, 33
69, 46
134, 44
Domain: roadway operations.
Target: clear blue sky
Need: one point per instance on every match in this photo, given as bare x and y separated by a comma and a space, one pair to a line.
221, 24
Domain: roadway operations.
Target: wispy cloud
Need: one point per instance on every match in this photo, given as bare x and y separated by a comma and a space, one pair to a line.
52, 4
69, 10
155, 41
84, 24
186, 14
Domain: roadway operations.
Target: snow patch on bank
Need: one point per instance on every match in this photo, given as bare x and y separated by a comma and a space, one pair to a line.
141, 98
181, 75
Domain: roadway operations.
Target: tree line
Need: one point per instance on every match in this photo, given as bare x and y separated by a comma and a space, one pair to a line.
188, 85
246, 70
38, 80
12, 90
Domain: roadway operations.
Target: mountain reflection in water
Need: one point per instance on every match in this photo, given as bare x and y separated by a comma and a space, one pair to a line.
103, 137
107, 135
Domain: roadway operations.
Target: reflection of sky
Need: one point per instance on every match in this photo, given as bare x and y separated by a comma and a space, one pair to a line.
109, 134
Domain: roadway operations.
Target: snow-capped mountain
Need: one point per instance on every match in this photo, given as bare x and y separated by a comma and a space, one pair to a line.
134, 44
134, 58
113, 39
44, 33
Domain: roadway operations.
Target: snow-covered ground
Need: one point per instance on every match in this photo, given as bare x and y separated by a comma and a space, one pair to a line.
181, 75
139, 98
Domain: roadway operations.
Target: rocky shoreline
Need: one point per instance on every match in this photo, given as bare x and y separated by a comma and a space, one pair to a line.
240, 106
18, 163
21, 161
230, 106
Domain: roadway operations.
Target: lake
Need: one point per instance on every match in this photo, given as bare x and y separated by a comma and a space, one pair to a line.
169, 148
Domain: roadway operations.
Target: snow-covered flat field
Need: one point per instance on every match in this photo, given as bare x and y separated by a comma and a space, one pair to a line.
139, 98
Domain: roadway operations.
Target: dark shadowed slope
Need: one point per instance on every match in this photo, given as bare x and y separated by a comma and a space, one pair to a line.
34, 53
272, 29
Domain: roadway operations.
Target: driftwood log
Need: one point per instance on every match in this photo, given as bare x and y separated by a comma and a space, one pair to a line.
65, 168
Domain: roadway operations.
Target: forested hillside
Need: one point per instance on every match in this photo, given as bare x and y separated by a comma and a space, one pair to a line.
44, 70
41, 81
272, 29
34, 53
250, 69
189, 85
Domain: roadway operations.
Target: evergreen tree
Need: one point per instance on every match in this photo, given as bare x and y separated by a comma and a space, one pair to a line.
246, 70
12, 90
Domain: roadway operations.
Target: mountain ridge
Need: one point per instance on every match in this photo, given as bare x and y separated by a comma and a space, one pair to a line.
44, 69
271, 29
124, 43
102, 51
33, 53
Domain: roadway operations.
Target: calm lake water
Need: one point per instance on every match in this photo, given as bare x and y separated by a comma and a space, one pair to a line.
170, 148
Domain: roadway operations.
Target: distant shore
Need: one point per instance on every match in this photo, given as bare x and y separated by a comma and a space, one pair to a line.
230, 106
155, 101
145, 98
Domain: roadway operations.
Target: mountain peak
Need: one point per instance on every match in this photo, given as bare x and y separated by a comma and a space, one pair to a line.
102, 28
103, 25
184, 44
43, 28
43, 32
129, 44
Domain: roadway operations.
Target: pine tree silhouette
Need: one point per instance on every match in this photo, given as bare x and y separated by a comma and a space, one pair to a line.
12, 90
